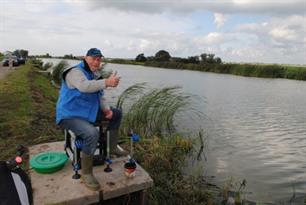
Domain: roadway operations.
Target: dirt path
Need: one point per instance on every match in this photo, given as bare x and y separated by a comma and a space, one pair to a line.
4, 71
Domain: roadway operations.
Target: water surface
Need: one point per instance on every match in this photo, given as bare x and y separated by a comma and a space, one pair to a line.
256, 127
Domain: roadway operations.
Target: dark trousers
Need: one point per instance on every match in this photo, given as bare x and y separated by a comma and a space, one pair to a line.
88, 131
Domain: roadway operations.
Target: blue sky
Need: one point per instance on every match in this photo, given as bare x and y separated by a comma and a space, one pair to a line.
272, 31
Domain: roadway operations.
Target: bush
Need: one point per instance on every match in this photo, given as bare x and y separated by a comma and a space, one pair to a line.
58, 71
37, 63
298, 73
46, 66
152, 112
162, 153
164, 159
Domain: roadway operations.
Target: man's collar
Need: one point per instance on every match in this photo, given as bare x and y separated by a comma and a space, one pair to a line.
86, 66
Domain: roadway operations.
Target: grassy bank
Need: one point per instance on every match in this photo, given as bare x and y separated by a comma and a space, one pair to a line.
164, 159
27, 102
250, 70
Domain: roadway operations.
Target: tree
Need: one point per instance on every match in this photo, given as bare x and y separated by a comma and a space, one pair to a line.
20, 53
150, 58
162, 55
179, 60
24, 53
140, 58
203, 58
193, 59
218, 60
68, 56
210, 58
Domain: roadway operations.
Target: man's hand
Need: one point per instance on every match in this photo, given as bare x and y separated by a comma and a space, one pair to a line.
113, 80
108, 113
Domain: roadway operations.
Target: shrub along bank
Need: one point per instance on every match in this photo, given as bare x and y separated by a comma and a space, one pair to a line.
27, 102
27, 105
250, 70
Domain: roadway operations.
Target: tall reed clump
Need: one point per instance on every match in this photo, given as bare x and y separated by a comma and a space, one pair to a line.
251, 70
174, 181
37, 63
102, 73
298, 73
58, 70
46, 66
162, 152
153, 112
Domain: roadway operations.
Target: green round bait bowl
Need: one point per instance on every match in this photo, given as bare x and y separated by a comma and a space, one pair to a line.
48, 162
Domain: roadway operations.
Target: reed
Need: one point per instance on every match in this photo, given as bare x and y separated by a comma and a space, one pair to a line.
58, 70
244, 69
162, 152
152, 112
46, 66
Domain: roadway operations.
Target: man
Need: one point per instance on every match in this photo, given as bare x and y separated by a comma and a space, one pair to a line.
10, 62
81, 105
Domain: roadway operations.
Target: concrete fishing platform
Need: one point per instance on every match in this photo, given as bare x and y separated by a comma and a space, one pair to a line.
60, 188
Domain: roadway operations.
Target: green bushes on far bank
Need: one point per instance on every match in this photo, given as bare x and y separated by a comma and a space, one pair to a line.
249, 70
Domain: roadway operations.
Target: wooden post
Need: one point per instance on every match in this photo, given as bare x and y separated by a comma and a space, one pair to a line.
142, 197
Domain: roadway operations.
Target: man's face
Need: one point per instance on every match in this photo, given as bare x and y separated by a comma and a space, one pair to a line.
93, 62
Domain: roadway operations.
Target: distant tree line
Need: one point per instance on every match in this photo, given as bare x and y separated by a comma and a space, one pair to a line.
66, 56
21, 53
69, 56
210, 63
47, 55
164, 56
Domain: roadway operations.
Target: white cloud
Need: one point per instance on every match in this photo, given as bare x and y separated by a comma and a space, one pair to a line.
213, 38
220, 19
288, 30
63, 28
246, 53
278, 39
220, 6
145, 45
283, 34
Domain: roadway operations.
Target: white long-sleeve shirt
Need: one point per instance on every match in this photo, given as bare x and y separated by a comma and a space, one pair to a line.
75, 78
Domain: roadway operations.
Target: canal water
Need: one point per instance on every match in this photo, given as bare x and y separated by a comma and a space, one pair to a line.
255, 128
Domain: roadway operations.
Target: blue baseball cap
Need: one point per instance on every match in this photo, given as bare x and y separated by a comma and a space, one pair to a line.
94, 52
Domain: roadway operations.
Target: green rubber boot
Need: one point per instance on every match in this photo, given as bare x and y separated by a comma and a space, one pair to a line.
87, 176
114, 150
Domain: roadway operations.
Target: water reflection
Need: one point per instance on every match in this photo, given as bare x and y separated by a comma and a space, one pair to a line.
256, 127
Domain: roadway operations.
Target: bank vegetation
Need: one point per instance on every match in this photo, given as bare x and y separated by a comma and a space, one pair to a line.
210, 63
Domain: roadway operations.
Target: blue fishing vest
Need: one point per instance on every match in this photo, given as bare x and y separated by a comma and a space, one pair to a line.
75, 104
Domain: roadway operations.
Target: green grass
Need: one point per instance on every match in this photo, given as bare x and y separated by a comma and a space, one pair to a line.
160, 151
28, 109
27, 102
58, 70
153, 112
17, 109
164, 159
246, 69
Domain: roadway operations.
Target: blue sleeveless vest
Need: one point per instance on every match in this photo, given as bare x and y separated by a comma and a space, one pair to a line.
75, 104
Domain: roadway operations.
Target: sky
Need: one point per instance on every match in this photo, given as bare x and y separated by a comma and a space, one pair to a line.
259, 31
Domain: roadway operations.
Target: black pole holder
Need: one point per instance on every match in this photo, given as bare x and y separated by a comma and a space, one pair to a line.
108, 168
76, 175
